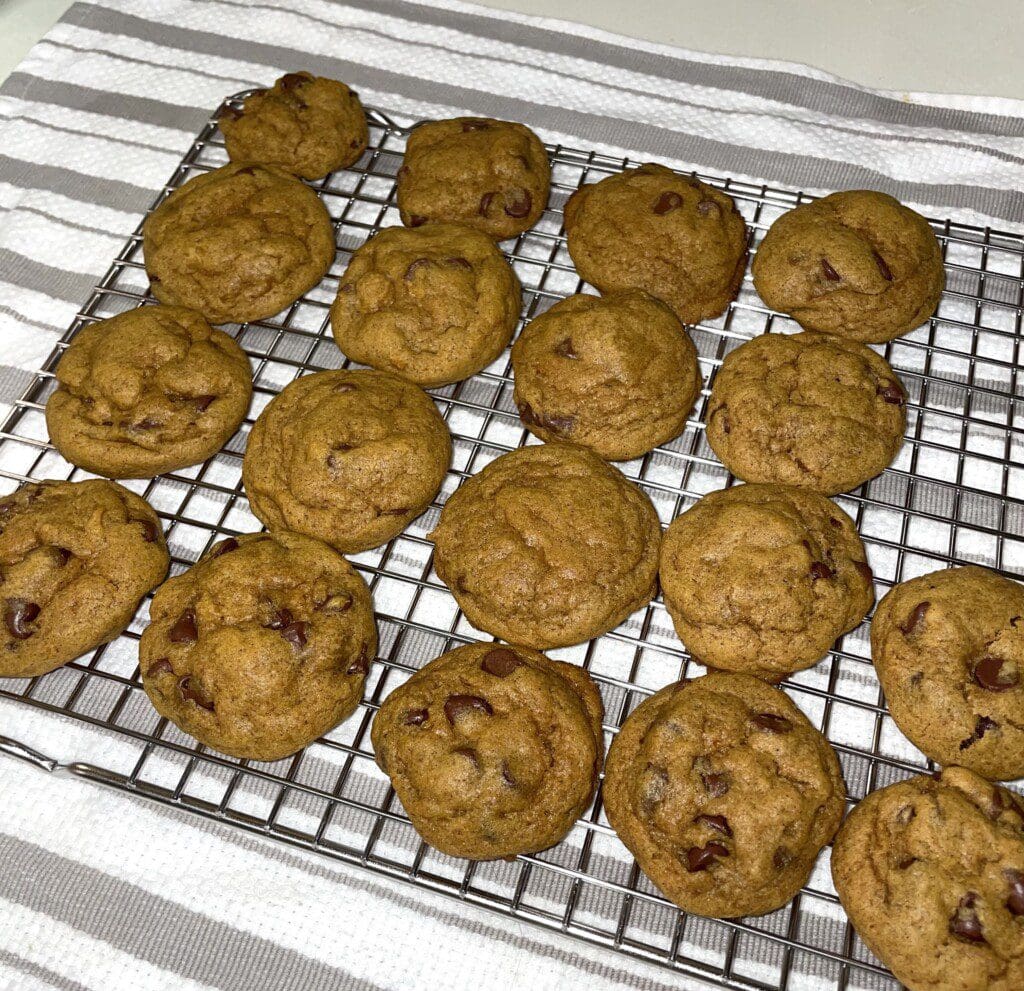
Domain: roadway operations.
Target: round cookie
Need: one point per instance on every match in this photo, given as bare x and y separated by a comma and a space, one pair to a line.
239, 243
434, 305
763, 579
304, 124
493, 751
808, 409
350, 457
724, 793
648, 228
931, 873
858, 264
548, 546
617, 374
949, 651
147, 391
491, 174
261, 646
76, 558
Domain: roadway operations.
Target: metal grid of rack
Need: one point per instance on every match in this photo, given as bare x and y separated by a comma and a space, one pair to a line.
954, 495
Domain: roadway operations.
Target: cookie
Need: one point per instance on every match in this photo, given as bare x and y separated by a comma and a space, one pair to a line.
724, 793
949, 651
931, 873
76, 558
763, 579
857, 264
809, 409
239, 243
493, 751
548, 546
350, 457
304, 124
434, 305
617, 374
261, 646
648, 228
491, 174
148, 391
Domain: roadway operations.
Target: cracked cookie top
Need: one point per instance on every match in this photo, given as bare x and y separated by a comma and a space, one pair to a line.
931, 873
239, 243
76, 558
147, 391
350, 457
493, 750
949, 651
261, 646
858, 264
808, 410
724, 793
548, 546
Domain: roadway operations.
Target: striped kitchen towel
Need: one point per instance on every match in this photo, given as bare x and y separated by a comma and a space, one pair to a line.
101, 891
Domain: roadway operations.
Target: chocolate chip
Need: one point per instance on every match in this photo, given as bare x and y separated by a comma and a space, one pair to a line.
716, 784
556, 424
145, 424
293, 80
782, 858
500, 662
18, 613
414, 266
456, 705
184, 629
820, 571
475, 124
485, 202
981, 726
335, 604
202, 403
882, 266
416, 717
249, 170
223, 547
906, 861
964, 923
1015, 901
192, 693
1014, 621
415, 220
906, 814
718, 823
892, 393
470, 754
707, 208
361, 665
700, 858
295, 633
459, 262
506, 775
163, 666
669, 200
518, 202
279, 619
914, 620
230, 113
916, 678
830, 273
397, 511
354, 143
565, 349
771, 722
344, 387
61, 556
991, 673
864, 570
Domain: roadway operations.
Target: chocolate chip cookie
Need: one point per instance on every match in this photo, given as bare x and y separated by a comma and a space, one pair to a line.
931, 874
261, 646
304, 124
949, 651
434, 305
724, 793
239, 243
76, 558
147, 391
649, 228
350, 457
491, 174
548, 546
809, 410
492, 750
617, 374
764, 578
858, 264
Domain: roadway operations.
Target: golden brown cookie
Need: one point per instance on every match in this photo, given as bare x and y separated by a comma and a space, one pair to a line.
648, 228
764, 578
949, 651
858, 264
304, 124
724, 793
434, 305
261, 646
350, 457
617, 374
492, 750
76, 558
491, 174
931, 874
239, 243
147, 391
548, 546
807, 409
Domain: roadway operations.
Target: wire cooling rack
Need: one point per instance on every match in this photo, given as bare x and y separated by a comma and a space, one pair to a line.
954, 495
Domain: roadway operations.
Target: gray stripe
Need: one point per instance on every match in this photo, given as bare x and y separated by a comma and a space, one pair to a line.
163, 933
782, 167
42, 324
115, 193
30, 274
14, 382
39, 973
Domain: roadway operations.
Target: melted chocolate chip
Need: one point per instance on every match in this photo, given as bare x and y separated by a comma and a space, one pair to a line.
914, 620
361, 665
456, 705
993, 674
279, 619
820, 571
981, 726
191, 692
864, 570
162, 666
416, 717
772, 723
470, 754
892, 393
964, 922
184, 628
668, 201
565, 349
202, 403
223, 547
230, 113
708, 208
249, 170
906, 861
18, 614
883, 267
397, 511
415, 220
336, 604
145, 424
718, 823
518, 202
415, 266
829, 272
1015, 900
700, 858
295, 633
916, 678
459, 262
716, 784
61, 556
475, 124
500, 662
556, 424
782, 858
506, 775
485, 203
293, 80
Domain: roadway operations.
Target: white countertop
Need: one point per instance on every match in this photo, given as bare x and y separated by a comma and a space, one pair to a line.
947, 46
